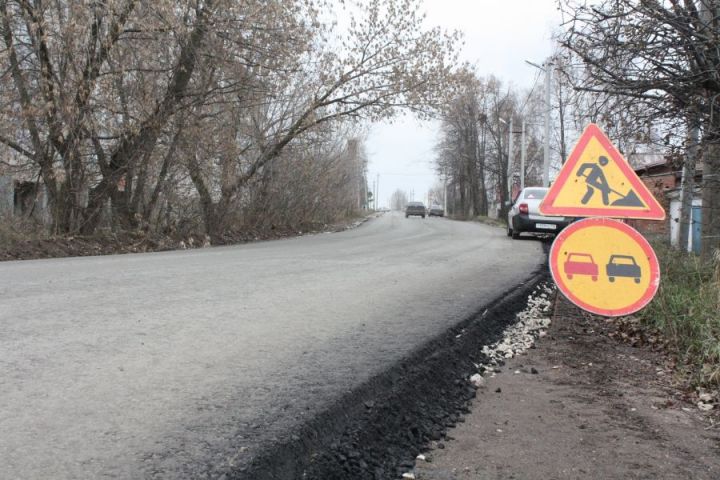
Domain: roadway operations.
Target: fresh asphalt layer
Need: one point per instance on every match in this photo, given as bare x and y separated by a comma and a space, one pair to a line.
181, 364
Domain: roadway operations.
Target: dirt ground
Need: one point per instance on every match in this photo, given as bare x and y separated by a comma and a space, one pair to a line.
581, 405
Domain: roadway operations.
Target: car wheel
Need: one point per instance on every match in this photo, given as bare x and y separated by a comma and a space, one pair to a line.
612, 279
594, 278
637, 279
509, 232
423, 216
407, 216
515, 235
569, 277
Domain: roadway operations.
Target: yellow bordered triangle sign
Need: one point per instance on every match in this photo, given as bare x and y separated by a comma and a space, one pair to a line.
596, 181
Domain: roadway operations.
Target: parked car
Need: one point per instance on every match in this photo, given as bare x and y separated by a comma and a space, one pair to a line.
436, 211
415, 208
525, 216
622, 266
580, 264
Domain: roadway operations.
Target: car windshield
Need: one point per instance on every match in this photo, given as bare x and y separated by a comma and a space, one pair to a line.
622, 260
415, 204
580, 258
535, 193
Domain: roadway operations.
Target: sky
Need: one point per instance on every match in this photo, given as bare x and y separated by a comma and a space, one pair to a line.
499, 36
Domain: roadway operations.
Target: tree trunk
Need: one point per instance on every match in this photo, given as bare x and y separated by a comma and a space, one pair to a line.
481, 175
142, 143
159, 184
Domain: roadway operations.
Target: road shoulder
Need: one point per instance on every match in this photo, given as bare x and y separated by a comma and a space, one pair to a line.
596, 408
23, 246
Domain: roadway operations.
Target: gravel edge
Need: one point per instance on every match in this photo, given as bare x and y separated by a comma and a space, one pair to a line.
376, 430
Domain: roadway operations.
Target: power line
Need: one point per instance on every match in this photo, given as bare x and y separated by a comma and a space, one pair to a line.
537, 77
408, 174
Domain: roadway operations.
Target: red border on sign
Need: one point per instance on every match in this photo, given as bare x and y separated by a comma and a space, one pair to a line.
606, 222
547, 207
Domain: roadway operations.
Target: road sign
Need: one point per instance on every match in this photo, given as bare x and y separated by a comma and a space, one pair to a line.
596, 181
604, 266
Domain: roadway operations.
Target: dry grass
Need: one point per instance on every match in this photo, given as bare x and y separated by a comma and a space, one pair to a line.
686, 310
13, 230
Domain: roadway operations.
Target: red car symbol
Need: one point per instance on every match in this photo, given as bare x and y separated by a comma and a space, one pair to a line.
581, 264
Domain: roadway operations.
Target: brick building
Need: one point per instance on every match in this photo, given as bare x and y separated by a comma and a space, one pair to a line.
660, 178
664, 180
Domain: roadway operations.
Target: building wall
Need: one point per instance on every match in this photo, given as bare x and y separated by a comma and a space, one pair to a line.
7, 193
658, 184
24, 199
674, 215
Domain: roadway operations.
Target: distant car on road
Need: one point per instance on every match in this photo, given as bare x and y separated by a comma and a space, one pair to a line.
525, 216
415, 208
436, 211
580, 264
622, 266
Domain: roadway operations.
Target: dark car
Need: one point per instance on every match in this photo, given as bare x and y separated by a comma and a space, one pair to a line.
436, 211
415, 208
525, 216
622, 266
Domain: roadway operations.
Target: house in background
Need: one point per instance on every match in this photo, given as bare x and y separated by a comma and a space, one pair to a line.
664, 180
23, 198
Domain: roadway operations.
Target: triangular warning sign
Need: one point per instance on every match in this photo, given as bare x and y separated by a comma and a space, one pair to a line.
596, 181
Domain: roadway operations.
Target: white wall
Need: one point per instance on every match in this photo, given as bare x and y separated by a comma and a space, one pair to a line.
675, 223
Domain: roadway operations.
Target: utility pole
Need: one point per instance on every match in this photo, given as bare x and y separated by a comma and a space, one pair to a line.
687, 184
445, 207
522, 156
546, 153
509, 165
377, 191
547, 69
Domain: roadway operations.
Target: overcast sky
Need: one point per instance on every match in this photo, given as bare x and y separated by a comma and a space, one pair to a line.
499, 36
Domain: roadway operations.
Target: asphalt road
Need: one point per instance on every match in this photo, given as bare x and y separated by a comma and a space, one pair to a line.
175, 364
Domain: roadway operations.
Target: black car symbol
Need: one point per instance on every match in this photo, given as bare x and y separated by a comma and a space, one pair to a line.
623, 266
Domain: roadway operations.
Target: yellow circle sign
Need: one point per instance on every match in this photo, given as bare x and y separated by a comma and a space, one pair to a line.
605, 267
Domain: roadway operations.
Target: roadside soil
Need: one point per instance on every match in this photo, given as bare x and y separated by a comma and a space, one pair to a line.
582, 404
111, 243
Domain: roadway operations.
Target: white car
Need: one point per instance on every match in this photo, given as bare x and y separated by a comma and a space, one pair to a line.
524, 216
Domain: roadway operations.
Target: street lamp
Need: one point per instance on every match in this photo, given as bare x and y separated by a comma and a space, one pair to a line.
546, 154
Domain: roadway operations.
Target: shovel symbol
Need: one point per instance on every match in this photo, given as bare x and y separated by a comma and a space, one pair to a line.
629, 200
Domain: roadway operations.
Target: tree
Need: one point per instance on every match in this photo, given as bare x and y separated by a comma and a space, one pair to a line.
663, 56
388, 62
133, 105
398, 200
65, 62
461, 152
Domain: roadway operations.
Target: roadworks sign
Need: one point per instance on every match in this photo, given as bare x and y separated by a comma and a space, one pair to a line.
596, 181
604, 266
